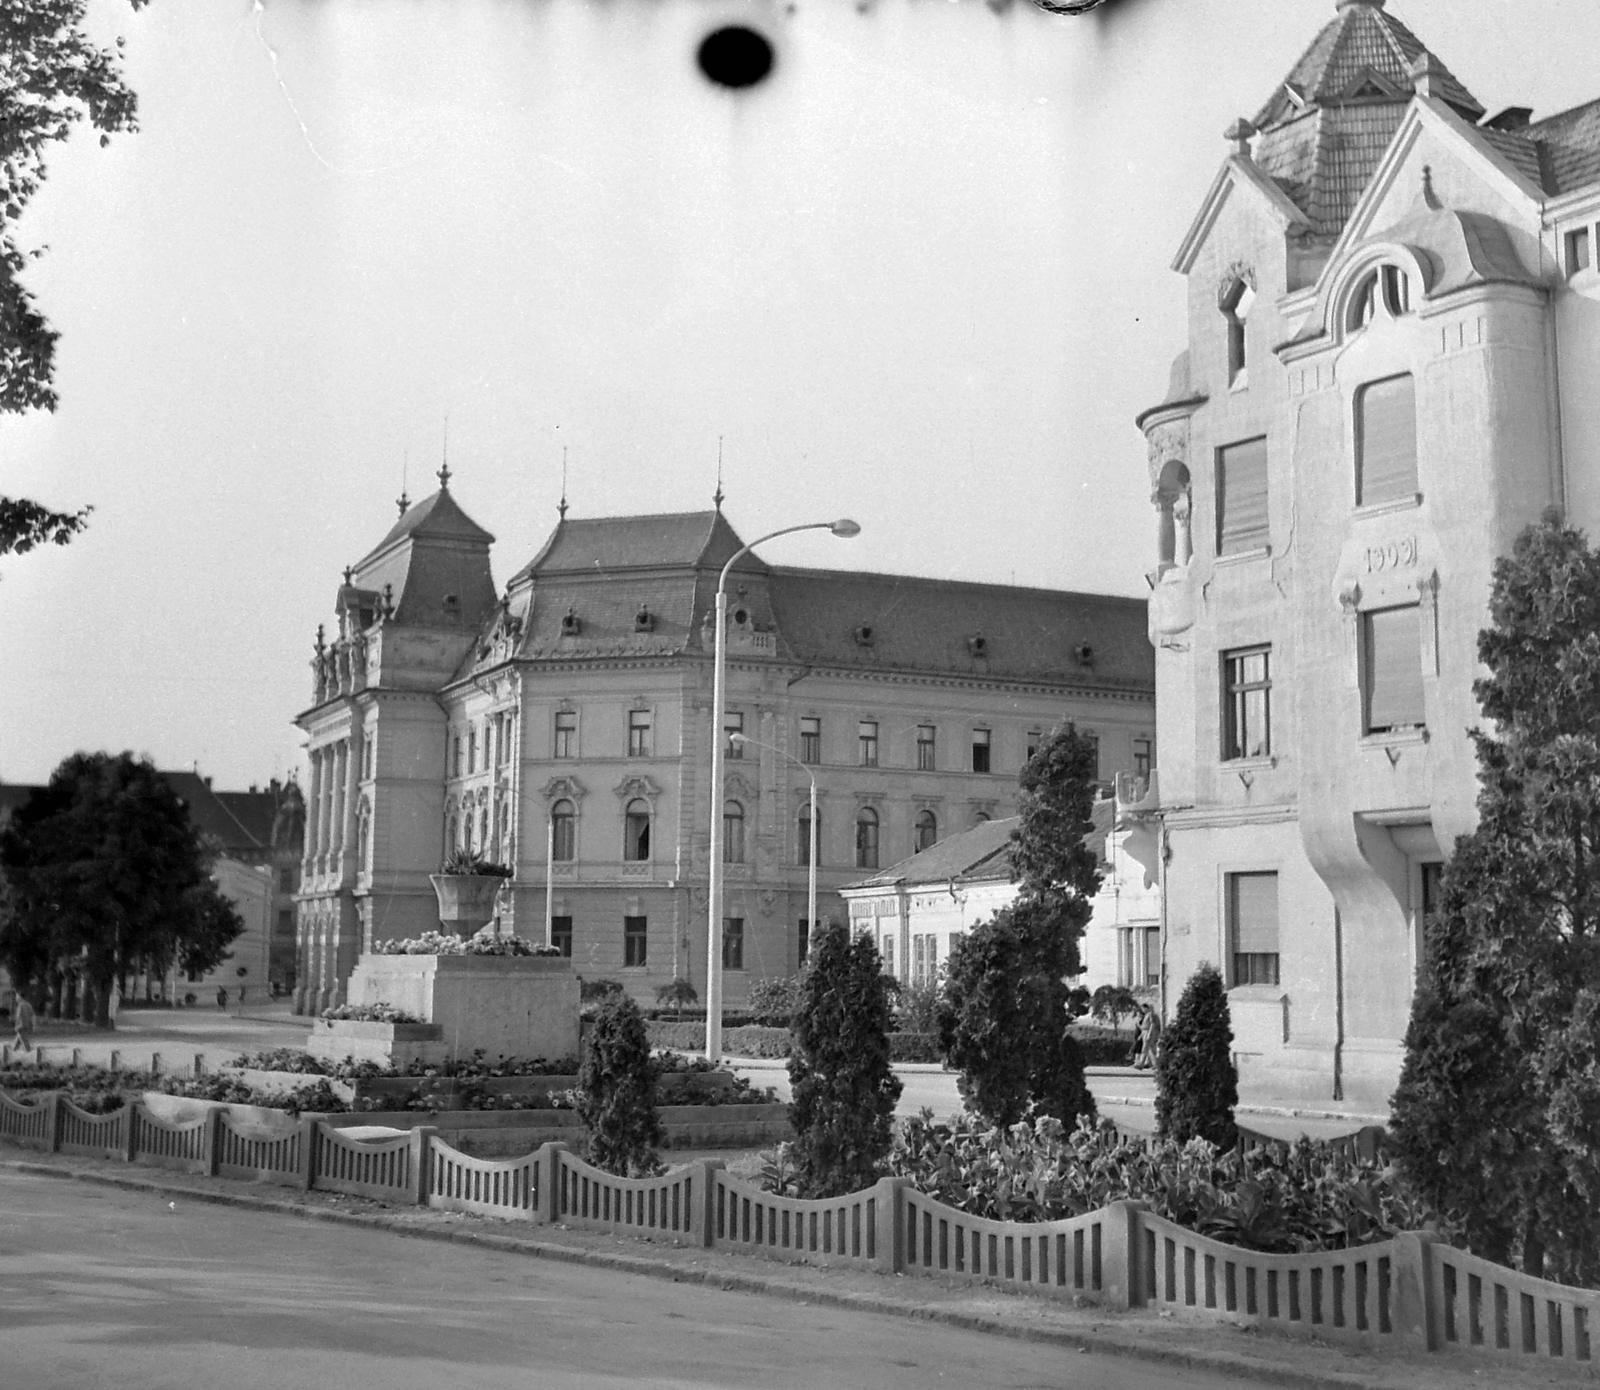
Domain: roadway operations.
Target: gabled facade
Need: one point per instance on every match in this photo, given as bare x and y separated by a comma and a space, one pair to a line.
566, 723
1394, 322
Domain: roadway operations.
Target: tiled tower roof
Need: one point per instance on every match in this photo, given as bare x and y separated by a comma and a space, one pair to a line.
1322, 133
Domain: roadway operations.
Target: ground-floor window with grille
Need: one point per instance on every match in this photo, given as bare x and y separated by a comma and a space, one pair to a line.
924, 959
635, 940
733, 943
561, 935
1252, 906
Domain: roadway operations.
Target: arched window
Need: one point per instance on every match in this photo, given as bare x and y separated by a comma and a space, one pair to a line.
803, 837
363, 837
866, 838
927, 831
636, 831
502, 830
483, 829
978, 818
1386, 290
452, 834
732, 833
563, 831
1237, 301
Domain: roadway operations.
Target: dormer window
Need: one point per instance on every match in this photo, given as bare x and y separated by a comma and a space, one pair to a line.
1238, 298
1388, 288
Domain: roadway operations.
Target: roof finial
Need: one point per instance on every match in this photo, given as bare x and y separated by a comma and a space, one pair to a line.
348, 571
1428, 195
444, 467
717, 496
403, 501
1239, 133
561, 506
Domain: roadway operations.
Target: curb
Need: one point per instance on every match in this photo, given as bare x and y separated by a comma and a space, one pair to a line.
1218, 1363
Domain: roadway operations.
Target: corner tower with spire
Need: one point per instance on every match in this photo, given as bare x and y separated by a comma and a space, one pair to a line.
1392, 332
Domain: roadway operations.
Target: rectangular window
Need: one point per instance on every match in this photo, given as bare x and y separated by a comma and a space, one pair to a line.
1093, 740
925, 748
455, 765
639, 733
802, 942
1391, 676
956, 938
924, 959
1386, 441
635, 940
1035, 737
888, 955
733, 943
472, 749
566, 734
1152, 956
811, 739
1247, 703
1141, 757
1577, 250
561, 935
980, 750
367, 746
867, 736
732, 723
1253, 928
1242, 498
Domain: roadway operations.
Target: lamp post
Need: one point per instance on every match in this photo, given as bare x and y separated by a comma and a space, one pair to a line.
844, 528
811, 828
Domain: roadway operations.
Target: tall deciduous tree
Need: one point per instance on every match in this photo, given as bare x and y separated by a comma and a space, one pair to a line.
1006, 1006
105, 871
1497, 1116
843, 1086
52, 76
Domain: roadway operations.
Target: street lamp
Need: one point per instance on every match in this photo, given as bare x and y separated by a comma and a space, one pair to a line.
811, 828
844, 528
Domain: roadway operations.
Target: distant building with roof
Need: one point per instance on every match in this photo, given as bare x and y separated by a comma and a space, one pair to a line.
1393, 345
571, 713
918, 909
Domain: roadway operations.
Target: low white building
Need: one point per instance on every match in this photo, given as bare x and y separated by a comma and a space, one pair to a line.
918, 909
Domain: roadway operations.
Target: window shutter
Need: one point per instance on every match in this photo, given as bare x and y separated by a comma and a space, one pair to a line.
1394, 668
1386, 437
1255, 913
1242, 497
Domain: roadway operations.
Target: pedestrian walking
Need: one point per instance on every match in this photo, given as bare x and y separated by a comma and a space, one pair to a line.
1150, 1026
222, 997
113, 1002
22, 1017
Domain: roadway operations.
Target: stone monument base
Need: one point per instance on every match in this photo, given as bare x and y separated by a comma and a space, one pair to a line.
335, 1039
507, 1006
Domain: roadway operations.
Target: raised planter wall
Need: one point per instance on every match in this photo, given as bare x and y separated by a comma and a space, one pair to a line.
507, 1006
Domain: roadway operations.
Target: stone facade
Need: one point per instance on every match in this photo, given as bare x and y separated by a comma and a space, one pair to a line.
1394, 325
580, 699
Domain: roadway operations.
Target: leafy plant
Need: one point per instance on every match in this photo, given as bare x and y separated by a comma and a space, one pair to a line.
484, 943
1197, 1086
916, 1009
370, 1013
591, 990
1110, 1004
1006, 1005
773, 1001
617, 1091
676, 993
468, 861
843, 1087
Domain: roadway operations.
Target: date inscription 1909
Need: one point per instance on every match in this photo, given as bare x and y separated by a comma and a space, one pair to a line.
1391, 555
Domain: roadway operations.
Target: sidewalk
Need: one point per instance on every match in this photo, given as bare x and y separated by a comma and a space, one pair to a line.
1241, 1354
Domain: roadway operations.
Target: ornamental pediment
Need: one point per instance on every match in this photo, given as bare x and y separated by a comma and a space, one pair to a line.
569, 788
638, 785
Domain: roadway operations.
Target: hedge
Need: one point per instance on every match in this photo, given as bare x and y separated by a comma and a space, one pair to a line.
774, 1042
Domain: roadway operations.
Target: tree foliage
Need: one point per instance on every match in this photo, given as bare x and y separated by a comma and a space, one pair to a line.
1497, 1115
106, 871
52, 76
1197, 1086
1006, 1005
617, 1091
844, 1090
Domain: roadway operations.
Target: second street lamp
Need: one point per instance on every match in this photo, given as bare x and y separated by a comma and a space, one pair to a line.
845, 528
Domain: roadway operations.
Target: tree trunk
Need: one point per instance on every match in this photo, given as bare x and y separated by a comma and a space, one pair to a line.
103, 986
1532, 1252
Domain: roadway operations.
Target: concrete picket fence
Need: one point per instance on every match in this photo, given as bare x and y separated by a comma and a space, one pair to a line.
1410, 1291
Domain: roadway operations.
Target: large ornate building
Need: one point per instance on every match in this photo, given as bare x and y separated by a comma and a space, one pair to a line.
567, 719
1394, 337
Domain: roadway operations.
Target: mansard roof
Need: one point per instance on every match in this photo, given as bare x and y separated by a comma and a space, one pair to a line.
438, 517
435, 564
666, 540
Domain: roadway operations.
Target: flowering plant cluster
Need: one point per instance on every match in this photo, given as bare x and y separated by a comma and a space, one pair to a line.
371, 1013
1310, 1195
485, 943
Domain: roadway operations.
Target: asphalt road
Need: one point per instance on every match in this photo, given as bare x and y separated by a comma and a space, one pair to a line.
100, 1287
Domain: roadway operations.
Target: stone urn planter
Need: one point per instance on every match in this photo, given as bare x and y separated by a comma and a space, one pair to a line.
466, 901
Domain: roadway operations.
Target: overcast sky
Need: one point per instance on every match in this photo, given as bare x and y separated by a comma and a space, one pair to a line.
919, 277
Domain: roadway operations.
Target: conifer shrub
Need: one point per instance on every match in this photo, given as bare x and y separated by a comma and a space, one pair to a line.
844, 1091
617, 1091
1197, 1086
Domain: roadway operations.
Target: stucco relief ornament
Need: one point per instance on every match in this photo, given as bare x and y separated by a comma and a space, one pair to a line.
569, 788
767, 899
638, 785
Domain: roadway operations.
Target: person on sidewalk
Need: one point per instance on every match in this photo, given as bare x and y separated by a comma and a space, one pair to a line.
222, 997
23, 1017
1150, 1039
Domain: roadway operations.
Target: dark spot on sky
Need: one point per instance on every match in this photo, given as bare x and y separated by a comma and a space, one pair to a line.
735, 57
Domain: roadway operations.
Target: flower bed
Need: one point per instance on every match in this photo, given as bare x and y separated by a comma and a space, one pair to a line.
484, 943
369, 1013
1311, 1195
